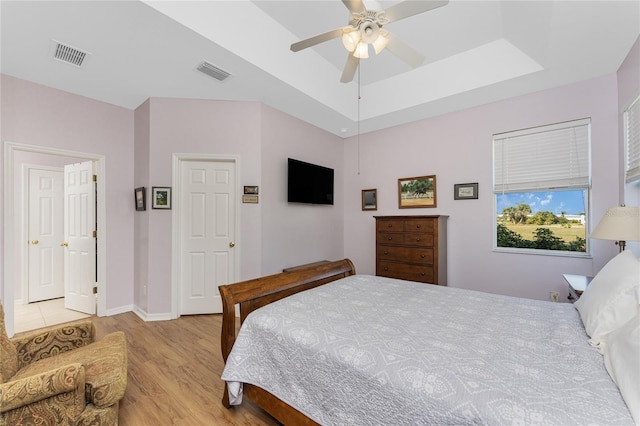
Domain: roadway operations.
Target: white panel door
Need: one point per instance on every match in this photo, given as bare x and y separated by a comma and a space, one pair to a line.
79, 227
45, 233
207, 234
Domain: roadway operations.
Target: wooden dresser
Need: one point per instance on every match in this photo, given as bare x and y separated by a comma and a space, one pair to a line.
412, 248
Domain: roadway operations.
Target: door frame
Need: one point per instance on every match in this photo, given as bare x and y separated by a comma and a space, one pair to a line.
178, 159
9, 220
24, 229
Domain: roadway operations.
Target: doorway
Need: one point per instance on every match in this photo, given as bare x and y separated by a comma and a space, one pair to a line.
205, 231
13, 236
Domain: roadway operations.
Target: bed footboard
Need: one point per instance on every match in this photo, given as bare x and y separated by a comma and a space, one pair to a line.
258, 292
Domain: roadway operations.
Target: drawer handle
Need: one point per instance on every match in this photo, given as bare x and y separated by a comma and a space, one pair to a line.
390, 238
423, 274
417, 239
390, 225
423, 255
418, 226
386, 252
386, 269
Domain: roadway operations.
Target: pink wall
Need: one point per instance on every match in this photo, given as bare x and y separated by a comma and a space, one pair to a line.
457, 148
138, 146
38, 115
628, 91
207, 127
294, 233
141, 218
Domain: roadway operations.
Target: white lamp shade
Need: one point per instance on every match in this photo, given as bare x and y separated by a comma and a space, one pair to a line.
362, 50
381, 42
619, 224
350, 40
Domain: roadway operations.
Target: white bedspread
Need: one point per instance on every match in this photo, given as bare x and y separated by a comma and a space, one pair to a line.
377, 351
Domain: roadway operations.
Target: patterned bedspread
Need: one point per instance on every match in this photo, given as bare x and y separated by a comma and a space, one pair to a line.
368, 350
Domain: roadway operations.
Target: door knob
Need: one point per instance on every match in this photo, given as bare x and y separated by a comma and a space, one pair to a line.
232, 244
34, 241
64, 244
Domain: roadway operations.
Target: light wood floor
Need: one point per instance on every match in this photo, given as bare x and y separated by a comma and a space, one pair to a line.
174, 373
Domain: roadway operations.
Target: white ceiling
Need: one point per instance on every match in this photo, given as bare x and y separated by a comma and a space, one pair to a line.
476, 52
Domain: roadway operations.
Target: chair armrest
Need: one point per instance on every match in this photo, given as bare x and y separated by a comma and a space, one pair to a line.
52, 341
68, 379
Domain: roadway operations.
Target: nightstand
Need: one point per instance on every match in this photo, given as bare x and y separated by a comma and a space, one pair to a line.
577, 284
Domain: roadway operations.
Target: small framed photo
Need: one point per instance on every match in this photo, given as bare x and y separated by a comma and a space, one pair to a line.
251, 199
416, 192
161, 197
465, 191
369, 199
251, 190
141, 199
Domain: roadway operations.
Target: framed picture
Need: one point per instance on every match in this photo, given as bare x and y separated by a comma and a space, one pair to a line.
369, 199
161, 197
465, 191
416, 192
253, 190
251, 199
141, 199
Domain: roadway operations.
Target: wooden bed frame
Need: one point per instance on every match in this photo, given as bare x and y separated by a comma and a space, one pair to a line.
258, 292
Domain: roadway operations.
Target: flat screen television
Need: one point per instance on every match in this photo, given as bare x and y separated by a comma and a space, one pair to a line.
309, 183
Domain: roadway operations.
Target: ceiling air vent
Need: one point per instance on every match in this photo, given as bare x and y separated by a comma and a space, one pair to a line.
213, 71
68, 54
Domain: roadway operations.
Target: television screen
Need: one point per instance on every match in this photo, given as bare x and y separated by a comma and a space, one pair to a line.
309, 183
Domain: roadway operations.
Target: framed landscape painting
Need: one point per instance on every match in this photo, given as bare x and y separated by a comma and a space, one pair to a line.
417, 192
161, 197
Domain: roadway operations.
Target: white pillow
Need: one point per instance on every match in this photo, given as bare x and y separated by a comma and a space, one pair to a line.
621, 350
610, 299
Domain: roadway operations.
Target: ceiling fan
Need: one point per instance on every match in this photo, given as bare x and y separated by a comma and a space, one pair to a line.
365, 28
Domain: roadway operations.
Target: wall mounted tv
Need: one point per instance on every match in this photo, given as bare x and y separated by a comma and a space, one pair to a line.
309, 183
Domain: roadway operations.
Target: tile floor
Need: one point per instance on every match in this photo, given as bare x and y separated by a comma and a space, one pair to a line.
43, 314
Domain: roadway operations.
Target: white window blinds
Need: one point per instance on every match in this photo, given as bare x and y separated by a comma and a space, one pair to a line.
548, 157
632, 141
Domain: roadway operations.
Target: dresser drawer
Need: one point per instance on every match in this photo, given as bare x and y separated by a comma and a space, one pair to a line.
423, 274
390, 238
390, 225
419, 225
422, 240
423, 256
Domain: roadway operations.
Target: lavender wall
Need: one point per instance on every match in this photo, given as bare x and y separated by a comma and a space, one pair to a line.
294, 233
457, 148
138, 146
628, 91
207, 127
141, 218
37, 115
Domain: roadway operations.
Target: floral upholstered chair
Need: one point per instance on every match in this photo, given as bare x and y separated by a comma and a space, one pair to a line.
61, 376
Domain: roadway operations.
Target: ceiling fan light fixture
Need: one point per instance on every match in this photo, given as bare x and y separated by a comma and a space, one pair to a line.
362, 51
381, 42
369, 32
350, 40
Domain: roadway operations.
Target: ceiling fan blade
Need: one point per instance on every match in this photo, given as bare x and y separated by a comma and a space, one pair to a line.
411, 7
403, 51
349, 69
320, 38
354, 6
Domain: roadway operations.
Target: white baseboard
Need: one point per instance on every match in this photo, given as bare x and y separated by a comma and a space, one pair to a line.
119, 310
151, 317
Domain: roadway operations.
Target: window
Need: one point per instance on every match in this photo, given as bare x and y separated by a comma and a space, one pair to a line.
632, 141
541, 187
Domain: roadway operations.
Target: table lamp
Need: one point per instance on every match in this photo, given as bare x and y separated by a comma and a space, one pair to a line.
620, 224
